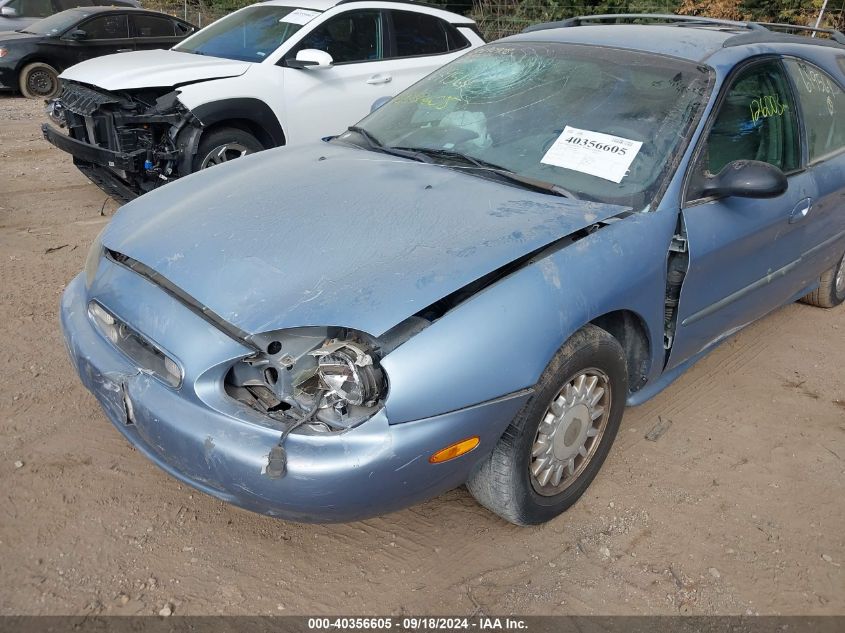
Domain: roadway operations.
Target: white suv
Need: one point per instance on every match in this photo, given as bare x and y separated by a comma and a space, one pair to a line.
270, 74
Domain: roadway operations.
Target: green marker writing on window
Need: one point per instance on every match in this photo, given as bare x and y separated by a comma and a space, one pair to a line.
766, 106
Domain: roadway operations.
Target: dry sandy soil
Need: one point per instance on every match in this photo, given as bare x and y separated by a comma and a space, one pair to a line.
737, 508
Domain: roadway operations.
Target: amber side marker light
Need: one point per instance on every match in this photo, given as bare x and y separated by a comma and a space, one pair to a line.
454, 450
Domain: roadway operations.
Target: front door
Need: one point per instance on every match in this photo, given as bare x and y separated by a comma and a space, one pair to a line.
745, 253
104, 35
324, 101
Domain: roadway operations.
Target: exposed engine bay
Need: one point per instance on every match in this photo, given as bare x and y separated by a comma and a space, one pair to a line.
148, 135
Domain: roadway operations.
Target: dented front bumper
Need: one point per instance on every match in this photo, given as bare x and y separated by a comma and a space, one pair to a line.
207, 440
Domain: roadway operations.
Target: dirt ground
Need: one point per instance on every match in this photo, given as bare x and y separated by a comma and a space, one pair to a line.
736, 509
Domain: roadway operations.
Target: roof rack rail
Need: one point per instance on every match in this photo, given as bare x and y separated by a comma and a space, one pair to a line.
778, 27
420, 3
681, 20
688, 20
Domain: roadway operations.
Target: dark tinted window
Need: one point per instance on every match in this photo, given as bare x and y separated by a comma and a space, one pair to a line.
32, 8
153, 26
823, 105
355, 36
421, 34
106, 27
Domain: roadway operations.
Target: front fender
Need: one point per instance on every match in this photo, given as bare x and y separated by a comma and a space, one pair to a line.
242, 108
500, 340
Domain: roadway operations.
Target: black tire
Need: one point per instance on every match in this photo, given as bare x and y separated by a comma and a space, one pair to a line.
38, 81
211, 142
504, 484
831, 290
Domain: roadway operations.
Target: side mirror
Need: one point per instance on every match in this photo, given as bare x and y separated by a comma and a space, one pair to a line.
8, 12
747, 179
311, 58
78, 34
379, 102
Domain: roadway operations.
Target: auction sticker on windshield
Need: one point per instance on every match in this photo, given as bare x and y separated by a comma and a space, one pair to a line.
300, 16
593, 153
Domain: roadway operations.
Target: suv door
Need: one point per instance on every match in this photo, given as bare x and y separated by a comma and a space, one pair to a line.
745, 253
323, 101
105, 34
419, 44
822, 102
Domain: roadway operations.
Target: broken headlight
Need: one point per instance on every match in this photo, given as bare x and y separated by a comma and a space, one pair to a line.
347, 373
331, 376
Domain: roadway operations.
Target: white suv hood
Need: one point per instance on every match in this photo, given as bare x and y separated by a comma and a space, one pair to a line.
152, 69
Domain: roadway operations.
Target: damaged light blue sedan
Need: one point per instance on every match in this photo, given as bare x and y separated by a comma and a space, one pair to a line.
470, 285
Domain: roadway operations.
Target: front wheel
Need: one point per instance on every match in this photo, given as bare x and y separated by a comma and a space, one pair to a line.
557, 443
222, 145
39, 81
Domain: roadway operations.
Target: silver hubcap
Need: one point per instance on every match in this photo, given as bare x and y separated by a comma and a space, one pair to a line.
570, 432
840, 278
224, 153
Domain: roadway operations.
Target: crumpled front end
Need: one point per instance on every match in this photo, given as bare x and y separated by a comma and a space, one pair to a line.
195, 429
128, 143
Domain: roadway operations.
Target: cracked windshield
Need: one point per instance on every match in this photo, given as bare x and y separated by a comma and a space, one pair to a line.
587, 122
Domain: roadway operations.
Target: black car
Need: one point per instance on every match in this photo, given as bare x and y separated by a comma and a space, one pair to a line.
32, 58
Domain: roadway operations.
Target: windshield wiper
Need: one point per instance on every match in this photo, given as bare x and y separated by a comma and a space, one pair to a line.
374, 144
502, 172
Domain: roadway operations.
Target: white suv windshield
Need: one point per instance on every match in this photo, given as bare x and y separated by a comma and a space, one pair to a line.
602, 123
248, 35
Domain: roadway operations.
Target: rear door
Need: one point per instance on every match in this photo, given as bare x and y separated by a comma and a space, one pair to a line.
745, 253
822, 102
419, 43
154, 31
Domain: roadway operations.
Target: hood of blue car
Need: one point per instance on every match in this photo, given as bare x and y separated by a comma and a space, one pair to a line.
336, 236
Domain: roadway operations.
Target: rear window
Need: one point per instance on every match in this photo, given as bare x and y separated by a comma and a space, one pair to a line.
153, 26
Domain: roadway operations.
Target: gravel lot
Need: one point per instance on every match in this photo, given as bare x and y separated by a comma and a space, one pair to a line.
736, 508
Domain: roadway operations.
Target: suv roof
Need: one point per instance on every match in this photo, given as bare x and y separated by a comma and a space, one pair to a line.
325, 5
690, 37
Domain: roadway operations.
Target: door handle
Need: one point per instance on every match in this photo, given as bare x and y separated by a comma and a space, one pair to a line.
379, 79
801, 210
124, 50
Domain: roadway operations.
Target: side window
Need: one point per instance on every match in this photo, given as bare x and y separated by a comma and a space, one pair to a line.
756, 121
823, 105
106, 27
421, 34
152, 26
355, 36
32, 8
